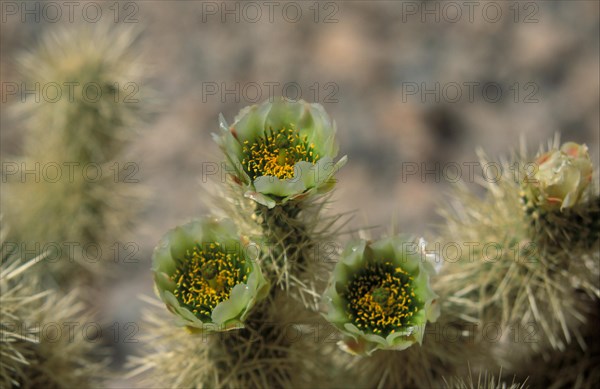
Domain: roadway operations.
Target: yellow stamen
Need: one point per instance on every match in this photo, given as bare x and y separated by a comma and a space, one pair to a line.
276, 153
206, 277
381, 299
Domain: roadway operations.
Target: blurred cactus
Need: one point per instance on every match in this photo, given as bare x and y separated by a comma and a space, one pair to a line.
510, 277
271, 350
43, 345
448, 348
79, 199
564, 209
576, 366
484, 381
98, 69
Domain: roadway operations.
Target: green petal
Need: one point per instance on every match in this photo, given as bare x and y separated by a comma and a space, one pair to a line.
355, 346
391, 338
226, 140
233, 154
401, 343
162, 261
179, 242
353, 259
163, 281
170, 299
261, 199
258, 283
421, 284
341, 276
251, 122
283, 113
271, 185
317, 125
377, 339
312, 175
209, 228
353, 254
214, 230
231, 308
336, 313
383, 250
307, 173
352, 330
329, 182
188, 315
403, 251
418, 333
432, 311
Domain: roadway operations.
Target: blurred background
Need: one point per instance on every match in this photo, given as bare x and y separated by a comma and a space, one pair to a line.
411, 85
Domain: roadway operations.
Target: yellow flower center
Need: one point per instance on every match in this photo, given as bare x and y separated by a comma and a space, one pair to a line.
276, 153
381, 299
206, 276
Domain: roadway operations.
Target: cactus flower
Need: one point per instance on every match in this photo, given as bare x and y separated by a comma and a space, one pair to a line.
560, 178
380, 297
203, 273
281, 150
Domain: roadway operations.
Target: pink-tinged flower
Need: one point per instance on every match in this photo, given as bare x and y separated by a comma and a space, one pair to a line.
561, 177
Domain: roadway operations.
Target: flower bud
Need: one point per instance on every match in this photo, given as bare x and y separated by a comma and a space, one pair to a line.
560, 178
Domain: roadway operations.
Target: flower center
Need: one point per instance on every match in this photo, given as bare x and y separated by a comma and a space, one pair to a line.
381, 299
276, 153
206, 276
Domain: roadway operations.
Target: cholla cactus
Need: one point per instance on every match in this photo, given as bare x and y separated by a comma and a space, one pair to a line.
99, 69
280, 154
273, 196
430, 344
237, 332
83, 193
269, 351
484, 381
561, 203
41, 335
281, 157
574, 367
506, 275
384, 297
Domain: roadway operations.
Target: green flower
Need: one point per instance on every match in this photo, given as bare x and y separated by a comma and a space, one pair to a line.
560, 178
203, 274
281, 150
380, 297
